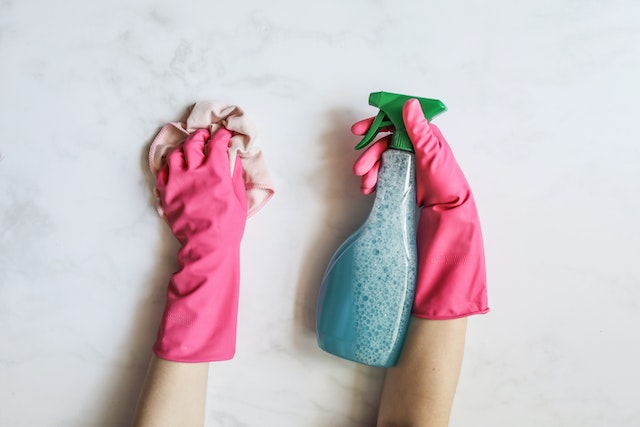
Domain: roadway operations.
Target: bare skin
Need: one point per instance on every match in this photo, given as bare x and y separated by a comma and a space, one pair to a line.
419, 390
174, 394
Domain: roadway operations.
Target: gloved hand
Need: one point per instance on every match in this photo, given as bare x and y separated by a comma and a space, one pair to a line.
451, 280
206, 209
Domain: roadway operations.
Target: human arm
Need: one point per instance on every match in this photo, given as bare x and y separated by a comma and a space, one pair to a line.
205, 207
451, 283
419, 390
174, 394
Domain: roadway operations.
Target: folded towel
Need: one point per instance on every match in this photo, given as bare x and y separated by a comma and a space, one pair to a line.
212, 115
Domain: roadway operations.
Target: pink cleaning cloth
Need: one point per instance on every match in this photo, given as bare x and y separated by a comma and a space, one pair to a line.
213, 115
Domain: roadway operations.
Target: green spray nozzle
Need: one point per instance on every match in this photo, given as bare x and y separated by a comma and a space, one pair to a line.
390, 114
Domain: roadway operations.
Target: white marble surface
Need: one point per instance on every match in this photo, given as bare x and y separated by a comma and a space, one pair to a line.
543, 116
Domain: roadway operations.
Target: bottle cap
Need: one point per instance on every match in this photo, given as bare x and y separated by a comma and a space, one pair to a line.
390, 114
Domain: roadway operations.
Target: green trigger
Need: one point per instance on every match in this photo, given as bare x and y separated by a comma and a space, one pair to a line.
381, 121
390, 116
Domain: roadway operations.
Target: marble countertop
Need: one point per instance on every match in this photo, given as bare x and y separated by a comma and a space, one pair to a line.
543, 113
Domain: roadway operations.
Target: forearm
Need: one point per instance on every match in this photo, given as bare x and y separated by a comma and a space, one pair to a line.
200, 316
419, 390
206, 208
174, 394
195, 330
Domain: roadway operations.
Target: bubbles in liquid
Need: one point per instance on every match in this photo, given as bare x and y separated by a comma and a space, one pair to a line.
385, 264
368, 288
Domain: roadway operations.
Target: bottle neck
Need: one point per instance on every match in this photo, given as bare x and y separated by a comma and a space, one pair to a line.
396, 177
401, 141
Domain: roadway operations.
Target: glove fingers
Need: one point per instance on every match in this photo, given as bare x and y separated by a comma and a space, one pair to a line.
238, 183
361, 127
218, 154
162, 177
371, 155
419, 130
370, 179
439, 178
175, 159
450, 187
194, 148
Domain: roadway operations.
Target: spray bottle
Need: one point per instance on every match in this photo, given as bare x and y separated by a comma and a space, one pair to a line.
367, 291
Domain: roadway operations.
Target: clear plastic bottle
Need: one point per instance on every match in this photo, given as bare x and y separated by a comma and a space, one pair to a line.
368, 288
367, 291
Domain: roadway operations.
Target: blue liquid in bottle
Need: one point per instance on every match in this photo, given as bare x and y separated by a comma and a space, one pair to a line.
367, 291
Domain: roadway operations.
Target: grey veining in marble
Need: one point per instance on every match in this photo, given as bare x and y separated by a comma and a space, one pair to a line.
543, 112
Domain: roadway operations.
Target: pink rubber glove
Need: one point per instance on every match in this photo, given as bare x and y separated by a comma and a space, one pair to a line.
451, 279
206, 210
